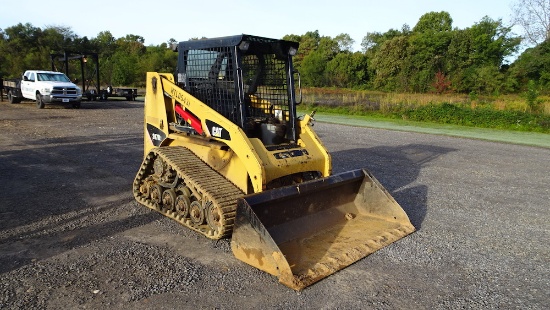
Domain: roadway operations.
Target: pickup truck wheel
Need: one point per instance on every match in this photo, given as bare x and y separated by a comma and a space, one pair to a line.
39, 101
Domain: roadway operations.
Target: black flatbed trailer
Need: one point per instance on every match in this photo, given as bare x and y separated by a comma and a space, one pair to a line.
129, 93
12, 89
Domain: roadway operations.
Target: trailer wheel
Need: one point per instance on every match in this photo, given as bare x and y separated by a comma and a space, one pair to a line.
39, 101
11, 98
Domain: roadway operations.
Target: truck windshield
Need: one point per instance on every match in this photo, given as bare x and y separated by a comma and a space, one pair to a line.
56, 77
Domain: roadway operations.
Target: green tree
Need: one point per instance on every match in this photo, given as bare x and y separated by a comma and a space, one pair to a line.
434, 22
22, 49
388, 62
347, 70
308, 43
479, 49
122, 61
489, 80
372, 44
427, 48
106, 43
409, 60
3, 61
345, 42
132, 44
532, 65
373, 40
314, 53
125, 72
56, 39
158, 59
106, 46
313, 68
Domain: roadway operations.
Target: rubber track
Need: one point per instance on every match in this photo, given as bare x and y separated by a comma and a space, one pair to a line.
195, 173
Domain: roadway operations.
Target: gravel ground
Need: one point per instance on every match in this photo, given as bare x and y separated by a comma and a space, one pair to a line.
72, 236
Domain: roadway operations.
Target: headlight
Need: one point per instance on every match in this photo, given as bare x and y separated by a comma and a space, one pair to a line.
244, 46
292, 51
78, 91
46, 91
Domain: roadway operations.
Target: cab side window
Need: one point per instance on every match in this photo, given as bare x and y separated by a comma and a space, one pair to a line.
30, 76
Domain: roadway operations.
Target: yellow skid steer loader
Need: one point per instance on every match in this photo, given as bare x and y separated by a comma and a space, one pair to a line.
226, 156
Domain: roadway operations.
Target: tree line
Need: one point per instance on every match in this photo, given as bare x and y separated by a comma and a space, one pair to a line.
122, 61
432, 56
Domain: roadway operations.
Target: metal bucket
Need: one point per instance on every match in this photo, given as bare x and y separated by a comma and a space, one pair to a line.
305, 232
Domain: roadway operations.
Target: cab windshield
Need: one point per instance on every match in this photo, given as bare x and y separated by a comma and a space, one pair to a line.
55, 77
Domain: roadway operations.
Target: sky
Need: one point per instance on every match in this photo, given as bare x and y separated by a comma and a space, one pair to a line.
161, 20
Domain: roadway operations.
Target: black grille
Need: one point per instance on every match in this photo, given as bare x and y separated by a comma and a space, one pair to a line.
64, 91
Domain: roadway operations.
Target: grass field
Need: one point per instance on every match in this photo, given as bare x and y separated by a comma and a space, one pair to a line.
497, 135
362, 100
510, 112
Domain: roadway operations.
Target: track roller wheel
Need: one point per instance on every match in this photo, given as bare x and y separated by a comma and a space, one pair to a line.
159, 167
182, 206
184, 190
169, 199
156, 194
145, 189
214, 216
196, 213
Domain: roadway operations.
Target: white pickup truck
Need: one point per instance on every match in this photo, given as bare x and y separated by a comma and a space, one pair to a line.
49, 87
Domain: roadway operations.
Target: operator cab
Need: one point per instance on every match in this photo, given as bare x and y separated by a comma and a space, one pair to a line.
247, 79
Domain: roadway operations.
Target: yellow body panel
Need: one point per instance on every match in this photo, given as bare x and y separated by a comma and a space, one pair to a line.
225, 162
245, 161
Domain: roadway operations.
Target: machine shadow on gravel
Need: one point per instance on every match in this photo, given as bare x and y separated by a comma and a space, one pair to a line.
397, 168
117, 104
92, 105
61, 193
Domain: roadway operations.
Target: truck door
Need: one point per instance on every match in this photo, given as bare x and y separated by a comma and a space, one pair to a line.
27, 85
